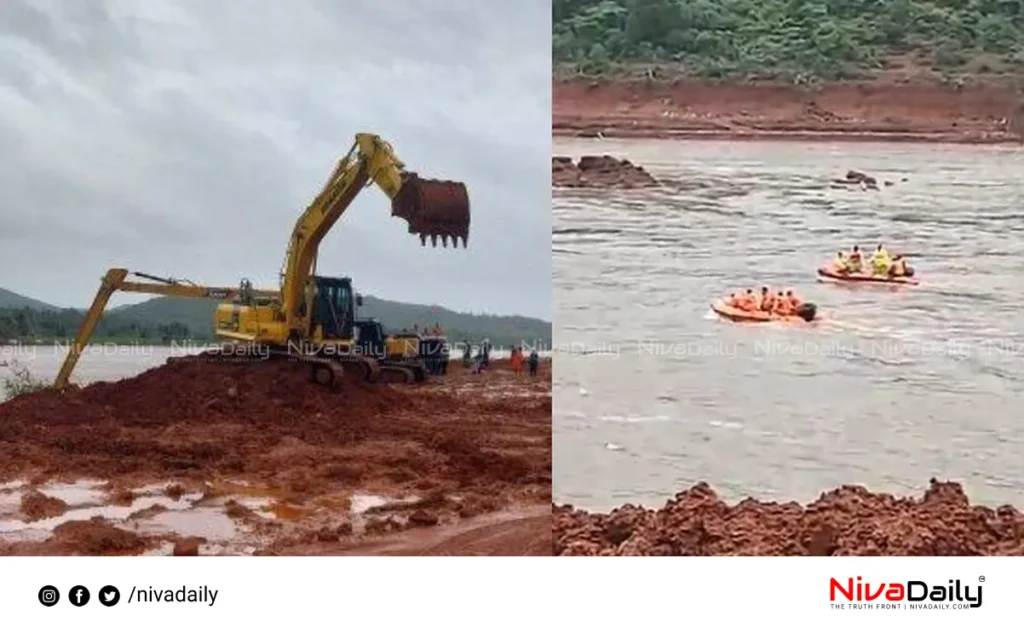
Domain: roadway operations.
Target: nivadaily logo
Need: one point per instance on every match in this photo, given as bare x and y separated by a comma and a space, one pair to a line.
911, 594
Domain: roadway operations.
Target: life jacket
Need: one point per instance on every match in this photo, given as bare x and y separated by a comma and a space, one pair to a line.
783, 306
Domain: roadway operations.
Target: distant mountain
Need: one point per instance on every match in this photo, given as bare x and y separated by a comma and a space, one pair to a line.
10, 299
195, 316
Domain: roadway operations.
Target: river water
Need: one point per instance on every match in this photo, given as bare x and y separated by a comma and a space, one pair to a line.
653, 394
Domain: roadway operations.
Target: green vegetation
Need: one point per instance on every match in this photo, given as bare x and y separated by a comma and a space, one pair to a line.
166, 319
19, 380
800, 40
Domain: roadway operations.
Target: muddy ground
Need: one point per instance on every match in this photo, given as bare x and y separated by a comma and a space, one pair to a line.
848, 521
214, 458
894, 108
606, 172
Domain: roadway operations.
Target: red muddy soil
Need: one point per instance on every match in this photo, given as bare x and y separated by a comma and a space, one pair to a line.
849, 521
35, 506
887, 109
599, 171
464, 445
82, 538
525, 532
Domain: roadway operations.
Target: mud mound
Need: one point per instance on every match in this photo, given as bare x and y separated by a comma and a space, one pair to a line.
82, 538
35, 506
194, 419
599, 171
848, 521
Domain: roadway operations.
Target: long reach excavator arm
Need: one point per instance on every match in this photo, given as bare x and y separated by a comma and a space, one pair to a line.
433, 208
116, 280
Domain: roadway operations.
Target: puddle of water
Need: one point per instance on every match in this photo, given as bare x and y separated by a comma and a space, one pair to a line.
79, 493
10, 502
208, 522
8, 486
24, 529
364, 502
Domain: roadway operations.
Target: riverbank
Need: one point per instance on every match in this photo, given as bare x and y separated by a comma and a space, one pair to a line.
196, 458
889, 110
848, 521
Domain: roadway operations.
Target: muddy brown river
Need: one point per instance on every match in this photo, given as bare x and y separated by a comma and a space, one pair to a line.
653, 393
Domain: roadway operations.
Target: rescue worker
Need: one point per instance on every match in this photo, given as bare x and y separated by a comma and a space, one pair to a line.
485, 353
880, 262
437, 331
855, 262
747, 301
733, 301
793, 301
517, 360
533, 361
766, 302
899, 267
782, 305
840, 264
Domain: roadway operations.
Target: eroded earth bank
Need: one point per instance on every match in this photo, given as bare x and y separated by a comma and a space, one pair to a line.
848, 521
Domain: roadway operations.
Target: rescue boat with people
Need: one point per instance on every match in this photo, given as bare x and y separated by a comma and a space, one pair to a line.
806, 313
829, 273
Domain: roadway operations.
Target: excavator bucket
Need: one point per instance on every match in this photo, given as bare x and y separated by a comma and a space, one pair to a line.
434, 209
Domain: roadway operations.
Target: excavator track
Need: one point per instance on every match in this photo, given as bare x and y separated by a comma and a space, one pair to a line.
402, 372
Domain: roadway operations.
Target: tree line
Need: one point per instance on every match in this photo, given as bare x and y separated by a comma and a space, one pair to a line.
29, 325
812, 39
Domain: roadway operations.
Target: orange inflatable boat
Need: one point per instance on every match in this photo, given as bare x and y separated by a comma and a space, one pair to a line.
808, 312
861, 278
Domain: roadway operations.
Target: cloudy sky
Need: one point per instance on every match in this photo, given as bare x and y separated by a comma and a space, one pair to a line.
184, 137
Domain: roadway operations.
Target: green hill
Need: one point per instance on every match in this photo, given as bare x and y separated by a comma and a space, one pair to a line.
10, 299
171, 318
792, 39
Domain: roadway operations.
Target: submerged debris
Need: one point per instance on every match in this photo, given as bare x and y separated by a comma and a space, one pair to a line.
599, 171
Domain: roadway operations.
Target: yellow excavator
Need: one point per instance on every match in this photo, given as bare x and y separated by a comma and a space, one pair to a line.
312, 318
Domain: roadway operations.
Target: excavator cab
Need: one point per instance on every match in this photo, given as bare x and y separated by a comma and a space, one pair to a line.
370, 339
334, 308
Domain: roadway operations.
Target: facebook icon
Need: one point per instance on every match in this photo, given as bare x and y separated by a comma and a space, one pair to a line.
79, 596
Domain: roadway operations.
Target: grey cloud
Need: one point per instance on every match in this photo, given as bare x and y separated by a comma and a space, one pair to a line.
185, 137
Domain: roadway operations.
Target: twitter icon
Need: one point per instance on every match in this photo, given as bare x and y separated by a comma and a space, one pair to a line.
109, 596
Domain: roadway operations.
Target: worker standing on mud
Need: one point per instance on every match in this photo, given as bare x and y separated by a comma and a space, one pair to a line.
437, 331
485, 353
516, 360
467, 353
533, 362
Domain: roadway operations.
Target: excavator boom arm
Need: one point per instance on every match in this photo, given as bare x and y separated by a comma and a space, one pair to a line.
115, 280
432, 208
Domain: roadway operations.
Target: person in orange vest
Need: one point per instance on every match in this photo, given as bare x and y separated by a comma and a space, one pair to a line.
516, 360
747, 301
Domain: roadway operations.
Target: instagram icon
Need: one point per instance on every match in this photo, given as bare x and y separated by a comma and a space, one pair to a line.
49, 596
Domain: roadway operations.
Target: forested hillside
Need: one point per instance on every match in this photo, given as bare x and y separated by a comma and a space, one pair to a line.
166, 319
793, 39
